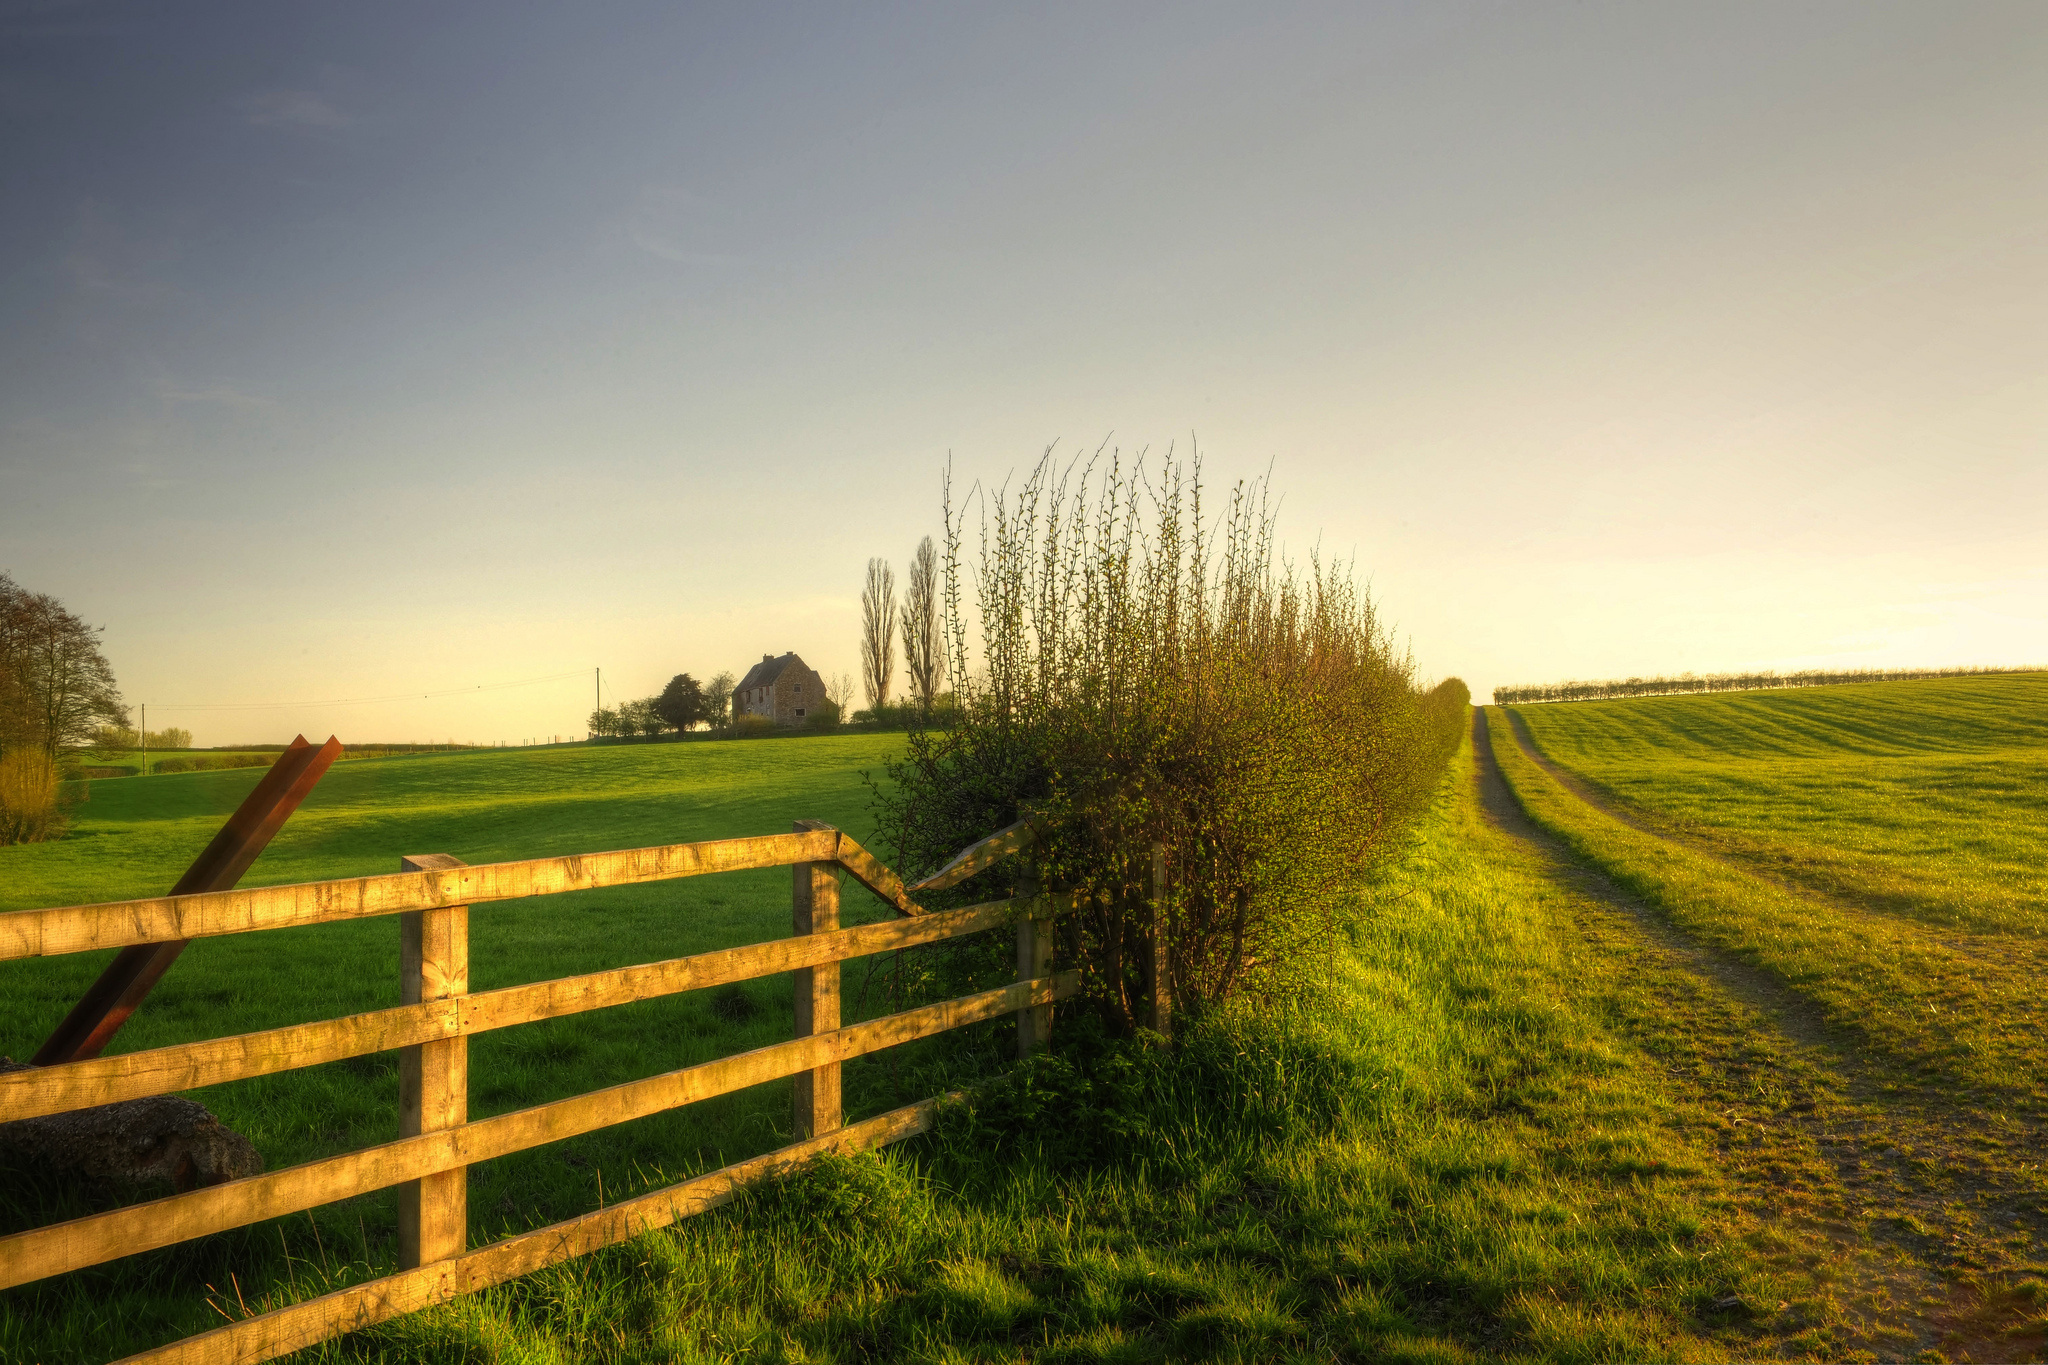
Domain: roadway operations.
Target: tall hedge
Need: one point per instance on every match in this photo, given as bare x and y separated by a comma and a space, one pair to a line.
1135, 672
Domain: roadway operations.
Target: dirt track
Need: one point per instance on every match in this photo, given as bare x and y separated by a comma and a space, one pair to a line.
1930, 1220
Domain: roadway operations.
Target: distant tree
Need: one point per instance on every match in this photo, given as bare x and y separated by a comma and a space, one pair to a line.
924, 646
111, 738
56, 688
878, 631
604, 722
839, 690
642, 717
681, 703
718, 699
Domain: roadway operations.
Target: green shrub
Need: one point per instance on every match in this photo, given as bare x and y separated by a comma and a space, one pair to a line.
30, 810
1151, 677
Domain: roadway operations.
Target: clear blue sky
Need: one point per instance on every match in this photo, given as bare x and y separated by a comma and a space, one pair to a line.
366, 349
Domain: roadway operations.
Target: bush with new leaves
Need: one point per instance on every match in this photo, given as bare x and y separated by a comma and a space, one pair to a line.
1147, 675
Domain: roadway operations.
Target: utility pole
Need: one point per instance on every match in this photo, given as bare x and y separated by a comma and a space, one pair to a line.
145, 739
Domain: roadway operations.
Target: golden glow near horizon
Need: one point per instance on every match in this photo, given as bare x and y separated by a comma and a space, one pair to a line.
1604, 341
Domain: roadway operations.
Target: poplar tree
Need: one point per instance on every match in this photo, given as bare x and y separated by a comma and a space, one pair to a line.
878, 632
924, 646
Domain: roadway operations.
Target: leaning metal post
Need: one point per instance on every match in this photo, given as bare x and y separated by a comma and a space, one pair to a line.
98, 1016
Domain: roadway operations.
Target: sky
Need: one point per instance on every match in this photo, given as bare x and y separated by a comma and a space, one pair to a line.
359, 362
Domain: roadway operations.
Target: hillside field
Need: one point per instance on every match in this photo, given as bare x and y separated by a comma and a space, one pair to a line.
1445, 1157
1923, 798
1602, 1070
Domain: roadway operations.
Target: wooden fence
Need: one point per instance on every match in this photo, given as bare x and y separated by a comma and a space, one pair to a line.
438, 1141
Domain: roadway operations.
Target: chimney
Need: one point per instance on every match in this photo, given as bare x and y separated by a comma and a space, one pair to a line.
767, 658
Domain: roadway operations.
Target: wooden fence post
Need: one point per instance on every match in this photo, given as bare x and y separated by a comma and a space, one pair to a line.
433, 1078
1034, 960
814, 903
1158, 975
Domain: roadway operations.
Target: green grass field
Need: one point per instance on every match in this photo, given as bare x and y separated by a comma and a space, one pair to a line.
136, 835
1446, 1160
1868, 857
1921, 799
1534, 1113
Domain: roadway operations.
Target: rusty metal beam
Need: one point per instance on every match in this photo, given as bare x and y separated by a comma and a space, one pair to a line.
95, 1019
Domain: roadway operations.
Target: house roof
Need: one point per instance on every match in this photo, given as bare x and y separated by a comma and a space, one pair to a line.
769, 670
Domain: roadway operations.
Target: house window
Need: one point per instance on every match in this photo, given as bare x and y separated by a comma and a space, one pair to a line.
799, 710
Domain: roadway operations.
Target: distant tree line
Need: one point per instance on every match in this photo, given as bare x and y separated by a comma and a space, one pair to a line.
1722, 682
120, 737
684, 704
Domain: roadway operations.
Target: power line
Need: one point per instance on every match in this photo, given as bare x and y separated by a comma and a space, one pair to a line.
363, 701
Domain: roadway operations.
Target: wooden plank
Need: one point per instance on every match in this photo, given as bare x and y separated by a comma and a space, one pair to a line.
346, 1310
115, 924
871, 873
433, 1078
977, 856
188, 1066
42, 1252
814, 909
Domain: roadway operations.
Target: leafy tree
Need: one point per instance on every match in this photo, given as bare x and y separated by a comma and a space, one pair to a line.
642, 717
604, 721
718, 698
681, 703
56, 688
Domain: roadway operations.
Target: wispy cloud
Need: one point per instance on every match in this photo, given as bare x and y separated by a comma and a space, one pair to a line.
669, 223
294, 109
221, 394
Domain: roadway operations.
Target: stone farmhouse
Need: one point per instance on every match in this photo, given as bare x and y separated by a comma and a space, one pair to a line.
783, 689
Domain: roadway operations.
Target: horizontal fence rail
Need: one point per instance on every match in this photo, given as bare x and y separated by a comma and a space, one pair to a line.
359, 1306
189, 1066
438, 1141
156, 919
104, 1237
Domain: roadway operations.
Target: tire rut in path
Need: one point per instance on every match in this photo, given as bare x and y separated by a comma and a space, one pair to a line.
1911, 1239
1753, 986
